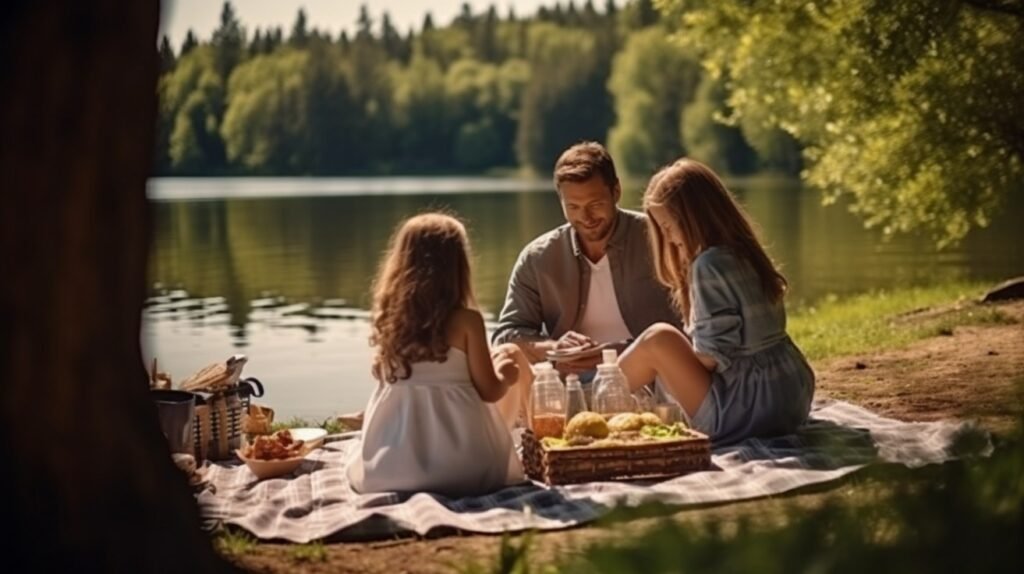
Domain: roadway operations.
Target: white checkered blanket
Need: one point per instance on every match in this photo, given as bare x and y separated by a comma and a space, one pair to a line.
316, 502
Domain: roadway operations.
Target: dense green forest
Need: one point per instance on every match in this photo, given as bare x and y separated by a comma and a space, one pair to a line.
484, 91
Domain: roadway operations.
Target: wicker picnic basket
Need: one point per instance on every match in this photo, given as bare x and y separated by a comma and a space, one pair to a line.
219, 422
222, 404
659, 459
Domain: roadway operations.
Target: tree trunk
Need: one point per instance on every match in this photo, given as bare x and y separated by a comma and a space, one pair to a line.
87, 478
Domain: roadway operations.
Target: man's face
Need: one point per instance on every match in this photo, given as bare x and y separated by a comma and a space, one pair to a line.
589, 206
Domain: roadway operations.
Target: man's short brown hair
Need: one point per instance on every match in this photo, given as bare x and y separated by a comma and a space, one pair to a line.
582, 162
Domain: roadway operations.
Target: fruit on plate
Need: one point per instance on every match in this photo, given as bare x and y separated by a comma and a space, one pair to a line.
586, 423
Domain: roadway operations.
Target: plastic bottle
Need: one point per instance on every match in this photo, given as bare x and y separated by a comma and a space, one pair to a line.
547, 402
575, 401
611, 392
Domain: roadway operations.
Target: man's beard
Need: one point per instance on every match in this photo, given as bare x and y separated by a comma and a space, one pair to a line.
596, 234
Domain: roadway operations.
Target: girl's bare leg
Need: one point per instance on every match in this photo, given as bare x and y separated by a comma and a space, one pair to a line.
662, 350
516, 398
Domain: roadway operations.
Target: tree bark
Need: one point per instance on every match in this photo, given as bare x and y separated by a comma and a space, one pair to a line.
87, 478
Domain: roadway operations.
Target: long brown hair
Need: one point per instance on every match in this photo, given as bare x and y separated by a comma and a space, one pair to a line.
708, 216
422, 280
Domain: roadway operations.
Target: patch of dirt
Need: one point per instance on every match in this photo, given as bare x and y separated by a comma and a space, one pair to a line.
974, 372
968, 374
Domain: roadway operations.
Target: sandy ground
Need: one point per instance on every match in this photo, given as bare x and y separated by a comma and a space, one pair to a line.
972, 372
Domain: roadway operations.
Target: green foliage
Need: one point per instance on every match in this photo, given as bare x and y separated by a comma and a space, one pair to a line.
565, 100
231, 542
652, 80
312, 552
422, 114
911, 107
192, 104
513, 558
330, 424
709, 139
229, 46
289, 112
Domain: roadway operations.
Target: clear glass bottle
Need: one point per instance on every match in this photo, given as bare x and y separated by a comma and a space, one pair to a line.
611, 391
575, 401
644, 400
547, 402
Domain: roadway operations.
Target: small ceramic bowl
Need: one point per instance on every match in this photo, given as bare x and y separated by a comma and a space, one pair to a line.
311, 438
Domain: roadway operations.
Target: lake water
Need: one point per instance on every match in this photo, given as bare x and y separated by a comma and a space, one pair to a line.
279, 268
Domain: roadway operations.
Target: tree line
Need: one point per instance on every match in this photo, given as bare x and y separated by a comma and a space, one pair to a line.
911, 109
486, 90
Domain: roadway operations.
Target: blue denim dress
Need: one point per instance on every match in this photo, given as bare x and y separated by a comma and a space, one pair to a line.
762, 385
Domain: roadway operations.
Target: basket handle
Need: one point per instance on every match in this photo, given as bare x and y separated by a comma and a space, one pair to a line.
251, 386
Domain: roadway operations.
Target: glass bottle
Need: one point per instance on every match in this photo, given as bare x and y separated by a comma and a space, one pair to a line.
547, 402
575, 401
644, 400
611, 392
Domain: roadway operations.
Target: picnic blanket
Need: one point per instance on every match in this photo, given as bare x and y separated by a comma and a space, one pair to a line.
316, 503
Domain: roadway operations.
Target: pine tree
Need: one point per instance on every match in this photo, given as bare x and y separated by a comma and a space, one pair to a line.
167, 59
488, 41
389, 37
189, 44
275, 41
465, 18
639, 14
256, 44
300, 34
364, 25
228, 42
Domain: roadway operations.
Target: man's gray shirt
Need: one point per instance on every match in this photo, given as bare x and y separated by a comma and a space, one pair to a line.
547, 292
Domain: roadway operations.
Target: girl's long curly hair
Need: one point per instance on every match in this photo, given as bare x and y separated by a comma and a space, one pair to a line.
708, 215
422, 280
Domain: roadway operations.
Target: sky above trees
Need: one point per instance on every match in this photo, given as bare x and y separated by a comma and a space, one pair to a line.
202, 16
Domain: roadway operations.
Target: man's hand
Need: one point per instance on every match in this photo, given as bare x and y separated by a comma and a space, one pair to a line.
573, 339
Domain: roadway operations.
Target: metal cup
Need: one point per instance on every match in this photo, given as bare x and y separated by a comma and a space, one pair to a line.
176, 410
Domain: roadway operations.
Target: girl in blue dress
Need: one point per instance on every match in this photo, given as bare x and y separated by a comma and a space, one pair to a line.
735, 371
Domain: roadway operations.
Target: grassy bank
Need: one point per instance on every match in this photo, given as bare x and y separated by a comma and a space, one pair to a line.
888, 319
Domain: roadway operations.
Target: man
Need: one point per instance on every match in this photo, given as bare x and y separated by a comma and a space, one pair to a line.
589, 281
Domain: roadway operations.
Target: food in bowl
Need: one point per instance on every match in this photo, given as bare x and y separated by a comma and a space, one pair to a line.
278, 446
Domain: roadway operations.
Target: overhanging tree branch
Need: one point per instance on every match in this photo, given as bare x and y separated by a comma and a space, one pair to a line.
1011, 7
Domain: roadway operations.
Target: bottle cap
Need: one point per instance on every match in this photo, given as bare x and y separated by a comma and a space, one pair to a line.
609, 356
543, 367
572, 380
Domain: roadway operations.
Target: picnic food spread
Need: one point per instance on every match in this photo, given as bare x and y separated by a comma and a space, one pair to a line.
625, 446
590, 429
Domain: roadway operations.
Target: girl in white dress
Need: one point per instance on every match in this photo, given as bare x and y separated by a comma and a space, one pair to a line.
431, 424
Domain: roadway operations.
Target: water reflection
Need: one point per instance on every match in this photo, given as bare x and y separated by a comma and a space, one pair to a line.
287, 278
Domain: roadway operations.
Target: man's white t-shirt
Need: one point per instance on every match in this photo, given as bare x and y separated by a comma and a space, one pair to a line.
602, 320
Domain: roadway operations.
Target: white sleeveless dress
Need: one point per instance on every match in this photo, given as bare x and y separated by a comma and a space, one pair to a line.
433, 433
